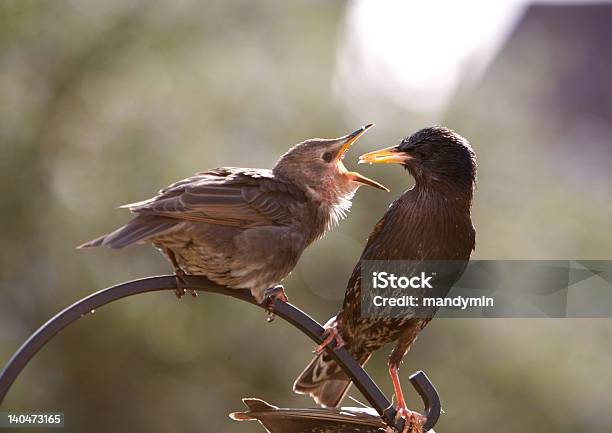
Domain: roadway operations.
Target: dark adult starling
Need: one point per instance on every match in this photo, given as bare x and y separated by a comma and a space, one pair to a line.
245, 227
431, 221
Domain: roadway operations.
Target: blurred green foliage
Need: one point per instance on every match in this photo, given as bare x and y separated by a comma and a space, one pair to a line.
103, 103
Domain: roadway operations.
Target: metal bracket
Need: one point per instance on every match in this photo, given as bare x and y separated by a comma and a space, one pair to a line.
285, 310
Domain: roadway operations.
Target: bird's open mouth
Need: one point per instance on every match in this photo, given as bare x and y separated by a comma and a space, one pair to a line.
353, 137
353, 175
388, 155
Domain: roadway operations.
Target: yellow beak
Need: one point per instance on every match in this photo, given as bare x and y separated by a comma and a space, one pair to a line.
356, 177
353, 137
388, 155
353, 175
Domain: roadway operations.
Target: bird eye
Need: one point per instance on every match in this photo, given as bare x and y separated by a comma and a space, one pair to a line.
327, 156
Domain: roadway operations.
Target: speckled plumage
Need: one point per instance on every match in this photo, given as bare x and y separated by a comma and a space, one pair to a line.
428, 222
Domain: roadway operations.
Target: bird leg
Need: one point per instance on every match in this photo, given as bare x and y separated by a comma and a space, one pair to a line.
272, 293
410, 426
331, 334
414, 420
276, 292
181, 289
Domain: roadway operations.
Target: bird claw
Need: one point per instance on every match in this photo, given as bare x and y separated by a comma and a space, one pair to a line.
413, 421
331, 334
276, 292
271, 294
181, 289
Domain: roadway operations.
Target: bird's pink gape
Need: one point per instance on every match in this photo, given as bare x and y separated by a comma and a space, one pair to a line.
353, 176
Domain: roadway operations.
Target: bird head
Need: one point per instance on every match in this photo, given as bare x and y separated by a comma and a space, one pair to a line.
432, 155
316, 166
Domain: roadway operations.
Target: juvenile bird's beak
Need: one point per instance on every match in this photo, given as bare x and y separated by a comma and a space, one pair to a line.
387, 155
356, 177
353, 175
353, 137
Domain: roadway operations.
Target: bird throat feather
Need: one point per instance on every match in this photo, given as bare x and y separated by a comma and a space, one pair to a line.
339, 210
333, 205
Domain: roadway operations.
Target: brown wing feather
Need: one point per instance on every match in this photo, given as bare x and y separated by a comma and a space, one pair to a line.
226, 196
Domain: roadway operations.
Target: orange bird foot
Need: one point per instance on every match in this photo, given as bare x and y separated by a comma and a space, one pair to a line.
331, 334
413, 421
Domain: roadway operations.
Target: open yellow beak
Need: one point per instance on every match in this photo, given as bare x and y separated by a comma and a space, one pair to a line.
353, 175
388, 155
356, 177
353, 137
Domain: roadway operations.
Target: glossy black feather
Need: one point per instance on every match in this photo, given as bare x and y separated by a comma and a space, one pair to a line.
431, 221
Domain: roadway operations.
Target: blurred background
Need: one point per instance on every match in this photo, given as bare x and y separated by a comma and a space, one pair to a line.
103, 103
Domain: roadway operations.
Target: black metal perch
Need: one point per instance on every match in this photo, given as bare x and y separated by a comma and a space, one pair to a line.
290, 313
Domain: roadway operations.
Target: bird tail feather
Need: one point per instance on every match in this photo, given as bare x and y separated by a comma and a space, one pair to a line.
324, 380
141, 227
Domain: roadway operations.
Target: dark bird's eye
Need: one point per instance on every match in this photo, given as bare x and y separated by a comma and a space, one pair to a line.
327, 156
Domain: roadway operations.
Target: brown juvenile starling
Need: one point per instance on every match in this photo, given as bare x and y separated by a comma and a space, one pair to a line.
245, 227
431, 221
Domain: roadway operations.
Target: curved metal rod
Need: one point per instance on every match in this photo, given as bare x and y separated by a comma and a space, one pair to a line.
290, 313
